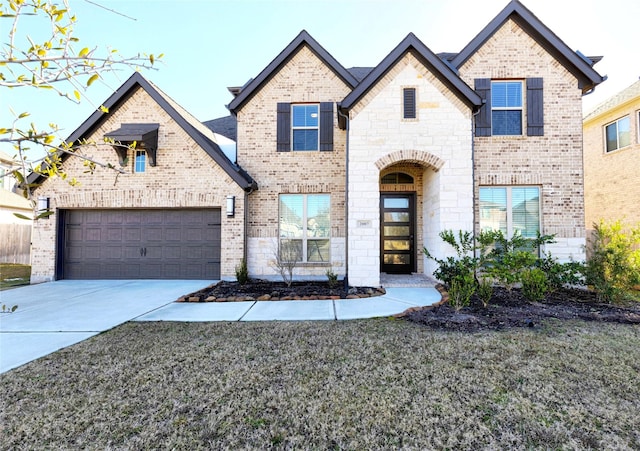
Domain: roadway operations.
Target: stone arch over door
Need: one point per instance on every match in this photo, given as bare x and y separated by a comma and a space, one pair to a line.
420, 157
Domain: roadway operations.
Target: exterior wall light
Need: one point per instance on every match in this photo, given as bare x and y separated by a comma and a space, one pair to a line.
43, 206
231, 206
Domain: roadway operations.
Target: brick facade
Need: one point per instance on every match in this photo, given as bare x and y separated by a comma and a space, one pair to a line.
612, 179
552, 162
185, 177
305, 78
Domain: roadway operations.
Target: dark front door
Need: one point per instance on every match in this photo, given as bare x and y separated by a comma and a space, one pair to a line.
397, 231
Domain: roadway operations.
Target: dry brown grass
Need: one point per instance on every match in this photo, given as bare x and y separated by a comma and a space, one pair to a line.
374, 384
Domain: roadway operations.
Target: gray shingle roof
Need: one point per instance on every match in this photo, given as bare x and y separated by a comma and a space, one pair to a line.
226, 126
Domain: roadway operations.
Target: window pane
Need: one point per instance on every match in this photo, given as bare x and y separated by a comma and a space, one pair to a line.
305, 139
612, 137
396, 216
396, 230
396, 245
318, 250
291, 250
397, 259
493, 209
399, 202
506, 122
291, 210
624, 132
305, 115
318, 217
525, 205
506, 94
140, 163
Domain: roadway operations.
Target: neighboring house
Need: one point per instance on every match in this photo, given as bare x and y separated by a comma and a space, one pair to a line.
15, 233
612, 158
355, 170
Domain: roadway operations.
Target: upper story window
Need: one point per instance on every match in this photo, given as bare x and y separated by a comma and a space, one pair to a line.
506, 107
305, 127
140, 163
618, 134
505, 111
409, 110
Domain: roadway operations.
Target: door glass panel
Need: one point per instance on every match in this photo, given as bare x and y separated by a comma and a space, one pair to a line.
396, 216
396, 245
396, 259
396, 202
396, 230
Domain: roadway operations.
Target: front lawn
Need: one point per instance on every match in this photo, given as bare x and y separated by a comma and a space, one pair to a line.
13, 275
369, 384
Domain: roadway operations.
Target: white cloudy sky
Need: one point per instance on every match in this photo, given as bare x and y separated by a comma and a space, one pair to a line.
209, 45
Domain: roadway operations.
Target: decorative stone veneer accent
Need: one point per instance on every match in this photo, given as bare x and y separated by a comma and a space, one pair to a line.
185, 177
553, 161
304, 78
439, 140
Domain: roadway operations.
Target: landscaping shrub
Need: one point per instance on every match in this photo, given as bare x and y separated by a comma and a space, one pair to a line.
613, 268
242, 272
332, 278
485, 291
462, 264
534, 284
462, 288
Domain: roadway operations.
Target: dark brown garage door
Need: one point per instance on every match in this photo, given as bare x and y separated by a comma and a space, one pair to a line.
141, 244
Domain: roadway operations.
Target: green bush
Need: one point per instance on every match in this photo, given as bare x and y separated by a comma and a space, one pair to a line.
534, 284
485, 291
332, 278
462, 288
462, 264
613, 268
242, 272
561, 274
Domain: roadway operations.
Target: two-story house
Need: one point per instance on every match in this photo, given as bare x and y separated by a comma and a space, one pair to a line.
353, 170
611, 156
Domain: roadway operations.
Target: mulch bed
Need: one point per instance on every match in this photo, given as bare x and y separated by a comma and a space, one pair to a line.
263, 290
511, 309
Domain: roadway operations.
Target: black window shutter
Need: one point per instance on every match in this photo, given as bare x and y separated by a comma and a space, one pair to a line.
483, 118
284, 127
535, 107
326, 126
409, 102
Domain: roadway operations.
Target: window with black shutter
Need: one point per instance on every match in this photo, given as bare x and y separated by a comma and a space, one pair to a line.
409, 103
535, 107
305, 127
483, 118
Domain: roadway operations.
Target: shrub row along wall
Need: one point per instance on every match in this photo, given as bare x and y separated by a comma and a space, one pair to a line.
15, 243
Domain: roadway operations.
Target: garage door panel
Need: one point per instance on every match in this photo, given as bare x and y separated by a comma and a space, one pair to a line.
170, 244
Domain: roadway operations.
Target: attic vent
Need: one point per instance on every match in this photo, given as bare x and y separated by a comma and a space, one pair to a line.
144, 135
409, 103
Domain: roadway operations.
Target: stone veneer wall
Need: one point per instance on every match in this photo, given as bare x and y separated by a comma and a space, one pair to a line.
184, 177
439, 140
304, 78
612, 179
553, 161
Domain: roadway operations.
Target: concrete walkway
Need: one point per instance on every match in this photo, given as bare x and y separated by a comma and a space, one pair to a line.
52, 316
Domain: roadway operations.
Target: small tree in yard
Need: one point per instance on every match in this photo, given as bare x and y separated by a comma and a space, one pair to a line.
286, 257
60, 64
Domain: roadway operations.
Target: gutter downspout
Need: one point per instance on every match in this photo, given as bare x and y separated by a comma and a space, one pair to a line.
346, 202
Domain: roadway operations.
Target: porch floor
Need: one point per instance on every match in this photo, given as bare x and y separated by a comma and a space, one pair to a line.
406, 280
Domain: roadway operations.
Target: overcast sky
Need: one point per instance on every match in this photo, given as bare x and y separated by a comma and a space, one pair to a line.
210, 45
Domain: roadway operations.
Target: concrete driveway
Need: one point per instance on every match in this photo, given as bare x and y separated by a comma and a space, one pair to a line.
51, 316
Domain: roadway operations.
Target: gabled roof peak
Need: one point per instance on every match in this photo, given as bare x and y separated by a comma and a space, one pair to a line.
588, 78
303, 38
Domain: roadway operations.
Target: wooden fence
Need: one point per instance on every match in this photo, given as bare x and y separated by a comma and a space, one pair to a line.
15, 243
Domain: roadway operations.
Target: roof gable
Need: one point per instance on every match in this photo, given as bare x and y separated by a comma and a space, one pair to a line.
574, 62
437, 66
196, 130
304, 38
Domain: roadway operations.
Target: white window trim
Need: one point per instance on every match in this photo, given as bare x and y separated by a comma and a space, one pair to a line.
618, 147
293, 105
305, 238
520, 108
510, 205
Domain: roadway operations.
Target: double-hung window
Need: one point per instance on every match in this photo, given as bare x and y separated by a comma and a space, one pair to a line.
506, 107
618, 134
304, 126
140, 162
510, 209
305, 227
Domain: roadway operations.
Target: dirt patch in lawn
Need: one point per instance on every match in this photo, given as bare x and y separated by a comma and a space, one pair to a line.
511, 309
263, 290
